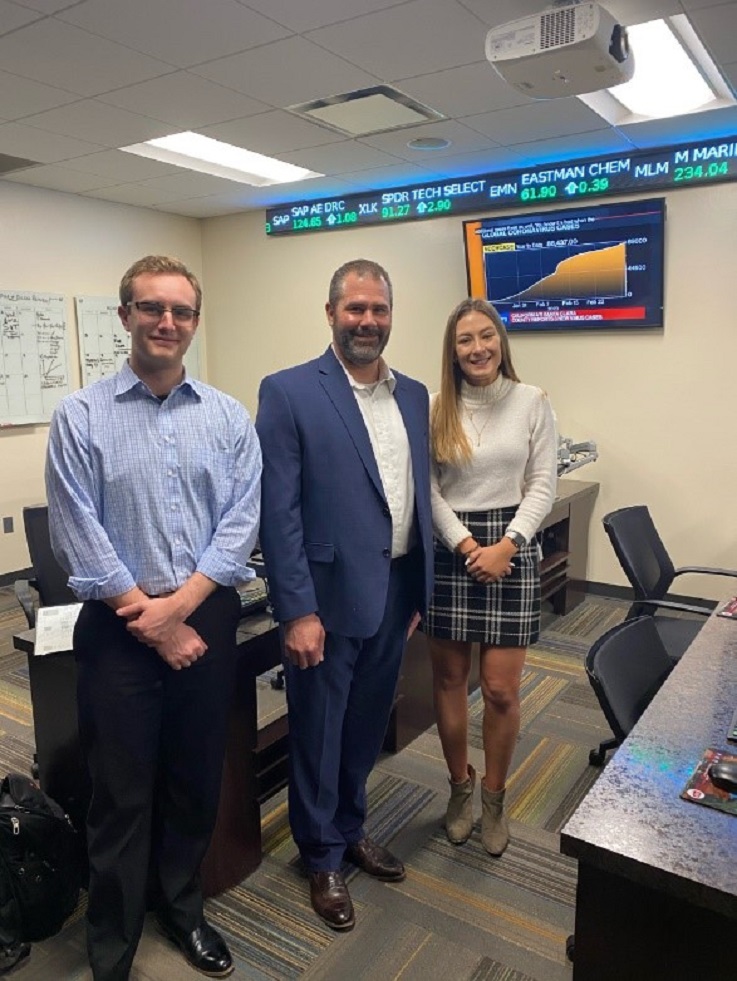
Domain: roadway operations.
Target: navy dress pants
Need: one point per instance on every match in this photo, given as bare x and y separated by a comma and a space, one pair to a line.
154, 741
338, 714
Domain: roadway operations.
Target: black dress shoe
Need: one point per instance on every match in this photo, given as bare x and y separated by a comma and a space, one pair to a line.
203, 948
331, 900
375, 860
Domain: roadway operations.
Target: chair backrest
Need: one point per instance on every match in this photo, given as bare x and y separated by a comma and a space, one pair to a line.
626, 667
640, 551
51, 579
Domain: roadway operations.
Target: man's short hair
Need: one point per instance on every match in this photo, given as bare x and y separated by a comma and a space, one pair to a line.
155, 264
363, 268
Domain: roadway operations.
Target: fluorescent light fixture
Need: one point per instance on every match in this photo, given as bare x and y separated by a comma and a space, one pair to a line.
674, 75
207, 156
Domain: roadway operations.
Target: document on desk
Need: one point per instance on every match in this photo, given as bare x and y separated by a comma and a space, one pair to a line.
55, 628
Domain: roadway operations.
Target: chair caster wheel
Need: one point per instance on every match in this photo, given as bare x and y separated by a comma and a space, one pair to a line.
596, 757
570, 947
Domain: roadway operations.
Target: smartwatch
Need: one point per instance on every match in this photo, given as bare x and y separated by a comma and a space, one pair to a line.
519, 540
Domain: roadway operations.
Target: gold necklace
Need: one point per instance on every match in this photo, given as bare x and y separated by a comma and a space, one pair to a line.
478, 431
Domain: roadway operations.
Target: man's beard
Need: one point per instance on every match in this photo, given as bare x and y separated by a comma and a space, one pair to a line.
361, 353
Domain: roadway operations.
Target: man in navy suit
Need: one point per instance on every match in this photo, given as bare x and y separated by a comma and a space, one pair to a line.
346, 532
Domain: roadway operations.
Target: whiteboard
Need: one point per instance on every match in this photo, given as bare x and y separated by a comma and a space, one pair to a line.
34, 356
104, 344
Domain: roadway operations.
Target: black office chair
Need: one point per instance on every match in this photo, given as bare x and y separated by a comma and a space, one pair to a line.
49, 579
651, 573
626, 667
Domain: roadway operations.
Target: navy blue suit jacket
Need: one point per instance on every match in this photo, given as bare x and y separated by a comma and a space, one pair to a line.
326, 529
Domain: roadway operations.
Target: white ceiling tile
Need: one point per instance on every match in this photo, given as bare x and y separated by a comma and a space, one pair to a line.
403, 41
730, 73
316, 13
59, 178
185, 100
567, 148
22, 96
537, 121
640, 11
398, 175
120, 167
684, 129
491, 160
689, 5
464, 91
180, 32
337, 158
46, 6
93, 120
59, 54
460, 136
503, 11
717, 28
36, 144
286, 73
12, 17
188, 184
272, 132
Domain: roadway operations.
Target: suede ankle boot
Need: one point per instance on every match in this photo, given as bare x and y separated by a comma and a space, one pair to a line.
494, 824
459, 816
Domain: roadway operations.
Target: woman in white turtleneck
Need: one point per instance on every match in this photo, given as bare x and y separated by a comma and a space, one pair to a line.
494, 480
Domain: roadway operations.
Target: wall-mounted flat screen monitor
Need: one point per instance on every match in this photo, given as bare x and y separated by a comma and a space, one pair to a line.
591, 268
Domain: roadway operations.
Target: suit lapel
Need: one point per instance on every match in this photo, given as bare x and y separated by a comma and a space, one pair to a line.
415, 424
333, 380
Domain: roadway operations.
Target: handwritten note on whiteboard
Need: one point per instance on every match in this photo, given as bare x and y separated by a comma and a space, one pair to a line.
34, 356
104, 343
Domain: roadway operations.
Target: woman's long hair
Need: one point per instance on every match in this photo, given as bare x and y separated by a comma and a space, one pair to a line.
449, 442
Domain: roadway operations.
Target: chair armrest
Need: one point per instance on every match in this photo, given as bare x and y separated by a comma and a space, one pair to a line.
23, 594
674, 605
706, 570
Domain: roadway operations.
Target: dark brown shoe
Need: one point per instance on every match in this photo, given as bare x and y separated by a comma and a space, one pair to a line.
331, 899
375, 860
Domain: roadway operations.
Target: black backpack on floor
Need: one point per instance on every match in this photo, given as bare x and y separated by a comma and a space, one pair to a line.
40, 867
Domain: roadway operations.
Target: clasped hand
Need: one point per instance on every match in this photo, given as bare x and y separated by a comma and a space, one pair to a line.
157, 623
489, 563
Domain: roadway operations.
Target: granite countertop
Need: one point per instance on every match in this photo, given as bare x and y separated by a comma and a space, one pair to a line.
633, 822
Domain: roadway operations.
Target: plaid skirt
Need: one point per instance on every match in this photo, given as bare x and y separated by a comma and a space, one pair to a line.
505, 613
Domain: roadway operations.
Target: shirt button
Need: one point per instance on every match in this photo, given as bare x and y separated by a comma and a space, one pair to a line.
386, 512
387, 553
173, 507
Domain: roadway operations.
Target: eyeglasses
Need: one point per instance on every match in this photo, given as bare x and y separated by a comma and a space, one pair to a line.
153, 312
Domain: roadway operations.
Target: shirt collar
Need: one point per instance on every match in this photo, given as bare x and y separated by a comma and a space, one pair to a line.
385, 375
127, 380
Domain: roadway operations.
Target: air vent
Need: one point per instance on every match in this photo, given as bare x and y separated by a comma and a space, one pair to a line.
558, 27
375, 110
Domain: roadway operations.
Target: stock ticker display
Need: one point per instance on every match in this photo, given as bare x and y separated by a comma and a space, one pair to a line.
662, 169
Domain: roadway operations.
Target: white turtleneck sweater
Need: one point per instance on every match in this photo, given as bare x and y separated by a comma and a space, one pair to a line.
511, 430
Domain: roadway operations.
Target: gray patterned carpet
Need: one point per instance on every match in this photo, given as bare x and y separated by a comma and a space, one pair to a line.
460, 915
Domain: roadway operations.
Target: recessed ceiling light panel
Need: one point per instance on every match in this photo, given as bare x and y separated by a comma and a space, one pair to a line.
193, 151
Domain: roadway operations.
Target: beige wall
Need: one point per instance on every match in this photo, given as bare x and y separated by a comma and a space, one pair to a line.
61, 243
660, 406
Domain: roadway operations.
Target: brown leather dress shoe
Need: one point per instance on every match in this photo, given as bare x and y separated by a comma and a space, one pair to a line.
331, 899
375, 860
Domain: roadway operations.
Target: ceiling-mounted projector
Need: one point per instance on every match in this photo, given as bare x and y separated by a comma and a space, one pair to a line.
568, 49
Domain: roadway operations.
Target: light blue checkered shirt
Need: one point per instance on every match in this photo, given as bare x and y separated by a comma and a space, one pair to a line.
144, 492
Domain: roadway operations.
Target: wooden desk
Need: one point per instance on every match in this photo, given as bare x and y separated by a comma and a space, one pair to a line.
657, 874
255, 759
